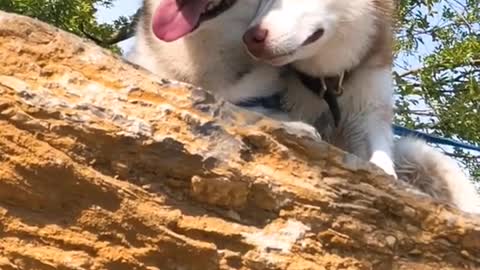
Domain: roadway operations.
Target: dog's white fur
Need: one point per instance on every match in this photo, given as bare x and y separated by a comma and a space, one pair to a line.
213, 57
357, 37
435, 174
349, 42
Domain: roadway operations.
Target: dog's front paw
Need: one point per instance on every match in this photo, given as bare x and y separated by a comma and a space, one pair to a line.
302, 129
384, 161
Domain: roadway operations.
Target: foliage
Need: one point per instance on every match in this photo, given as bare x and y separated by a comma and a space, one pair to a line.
76, 16
437, 71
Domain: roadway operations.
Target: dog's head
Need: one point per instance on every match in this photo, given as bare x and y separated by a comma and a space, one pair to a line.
285, 31
170, 20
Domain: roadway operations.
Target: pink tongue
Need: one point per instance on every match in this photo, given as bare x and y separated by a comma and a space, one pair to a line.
172, 21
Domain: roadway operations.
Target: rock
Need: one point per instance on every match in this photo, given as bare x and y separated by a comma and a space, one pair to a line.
82, 131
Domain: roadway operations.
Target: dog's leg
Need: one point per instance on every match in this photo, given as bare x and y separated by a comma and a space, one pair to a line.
302, 129
373, 103
370, 137
261, 81
380, 140
298, 128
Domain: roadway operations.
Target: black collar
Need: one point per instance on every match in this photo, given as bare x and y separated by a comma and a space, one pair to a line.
328, 88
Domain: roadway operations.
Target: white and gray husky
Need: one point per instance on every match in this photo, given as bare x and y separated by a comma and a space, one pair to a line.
348, 42
199, 42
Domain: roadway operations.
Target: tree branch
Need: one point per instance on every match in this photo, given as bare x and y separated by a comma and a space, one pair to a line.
124, 33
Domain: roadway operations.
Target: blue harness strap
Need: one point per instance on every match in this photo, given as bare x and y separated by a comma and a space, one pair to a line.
273, 102
402, 131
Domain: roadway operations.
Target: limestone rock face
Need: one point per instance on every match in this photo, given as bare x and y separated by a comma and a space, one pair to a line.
105, 166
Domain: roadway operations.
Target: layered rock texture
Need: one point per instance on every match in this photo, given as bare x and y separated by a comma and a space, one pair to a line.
105, 166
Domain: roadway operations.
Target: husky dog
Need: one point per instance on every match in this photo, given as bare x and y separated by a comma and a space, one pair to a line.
350, 43
331, 38
199, 42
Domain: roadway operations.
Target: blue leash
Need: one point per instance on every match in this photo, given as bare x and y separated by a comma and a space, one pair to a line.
402, 131
273, 102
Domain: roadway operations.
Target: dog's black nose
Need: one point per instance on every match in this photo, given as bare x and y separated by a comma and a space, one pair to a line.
255, 38
255, 35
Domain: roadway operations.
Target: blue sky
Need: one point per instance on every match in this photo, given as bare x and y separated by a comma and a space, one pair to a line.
120, 8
